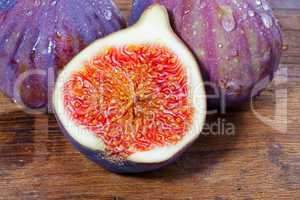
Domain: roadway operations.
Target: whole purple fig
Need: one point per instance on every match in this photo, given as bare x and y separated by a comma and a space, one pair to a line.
39, 37
237, 42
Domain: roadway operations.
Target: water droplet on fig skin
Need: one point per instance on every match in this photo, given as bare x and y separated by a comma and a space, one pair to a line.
29, 13
37, 3
258, 2
228, 26
251, 13
267, 20
227, 19
107, 14
187, 12
265, 5
53, 3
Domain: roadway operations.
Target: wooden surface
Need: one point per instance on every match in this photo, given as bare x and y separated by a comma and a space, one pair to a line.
259, 162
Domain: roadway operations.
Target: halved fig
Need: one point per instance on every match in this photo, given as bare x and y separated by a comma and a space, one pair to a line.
134, 100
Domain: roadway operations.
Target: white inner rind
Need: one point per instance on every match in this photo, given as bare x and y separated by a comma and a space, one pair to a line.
152, 28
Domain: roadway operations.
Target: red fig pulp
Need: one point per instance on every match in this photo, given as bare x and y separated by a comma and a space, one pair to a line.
135, 98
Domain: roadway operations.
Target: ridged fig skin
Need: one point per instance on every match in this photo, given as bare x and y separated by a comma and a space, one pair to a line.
122, 166
238, 43
39, 37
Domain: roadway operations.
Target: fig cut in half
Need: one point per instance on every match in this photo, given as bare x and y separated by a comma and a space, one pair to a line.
134, 100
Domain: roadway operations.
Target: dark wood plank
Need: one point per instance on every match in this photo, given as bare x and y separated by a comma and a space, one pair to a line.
260, 162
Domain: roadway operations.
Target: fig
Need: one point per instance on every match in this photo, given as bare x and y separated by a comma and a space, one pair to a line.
39, 37
238, 44
135, 100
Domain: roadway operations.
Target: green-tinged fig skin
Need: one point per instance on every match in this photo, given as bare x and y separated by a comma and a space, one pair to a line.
38, 38
238, 43
120, 166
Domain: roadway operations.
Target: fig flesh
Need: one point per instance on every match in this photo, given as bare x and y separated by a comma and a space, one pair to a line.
39, 37
132, 102
238, 44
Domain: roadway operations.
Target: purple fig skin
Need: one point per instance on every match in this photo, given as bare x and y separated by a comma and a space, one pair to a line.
238, 44
119, 166
38, 38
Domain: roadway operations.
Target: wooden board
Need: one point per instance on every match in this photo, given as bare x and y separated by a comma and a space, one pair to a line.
261, 161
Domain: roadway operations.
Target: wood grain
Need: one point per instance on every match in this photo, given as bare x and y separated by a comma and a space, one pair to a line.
259, 162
